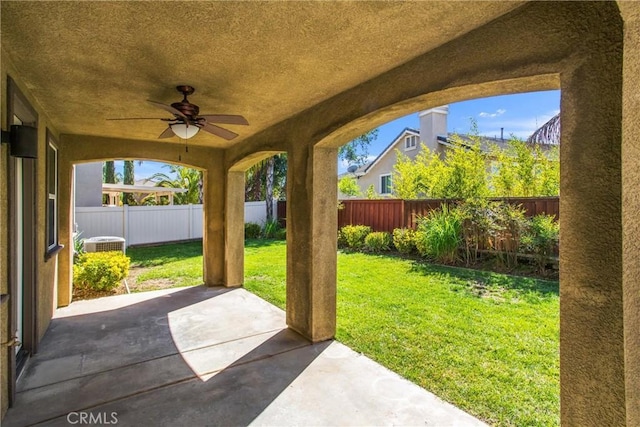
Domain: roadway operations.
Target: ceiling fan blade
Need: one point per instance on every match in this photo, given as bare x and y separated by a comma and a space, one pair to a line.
168, 133
227, 119
168, 108
218, 131
142, 118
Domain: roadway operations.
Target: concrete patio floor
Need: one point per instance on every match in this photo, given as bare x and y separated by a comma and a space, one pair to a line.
207, 356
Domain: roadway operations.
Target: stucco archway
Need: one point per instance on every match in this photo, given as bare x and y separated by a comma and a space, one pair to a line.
579, 51
79, 149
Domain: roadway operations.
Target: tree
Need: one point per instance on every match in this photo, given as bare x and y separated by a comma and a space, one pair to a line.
348, 185
416, 179
183, 177
526, 170
129, 179
371, 193
268, 193
267, 180
109, 172
356, 151
548, 133
109, 176
467, 172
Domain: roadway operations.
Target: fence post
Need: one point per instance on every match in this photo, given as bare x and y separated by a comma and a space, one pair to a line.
125, 224
190, 235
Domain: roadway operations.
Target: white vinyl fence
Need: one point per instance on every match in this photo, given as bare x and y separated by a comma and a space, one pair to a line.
140, 225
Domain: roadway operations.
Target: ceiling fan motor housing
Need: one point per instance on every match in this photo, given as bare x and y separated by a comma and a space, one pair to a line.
188, 109
185, 107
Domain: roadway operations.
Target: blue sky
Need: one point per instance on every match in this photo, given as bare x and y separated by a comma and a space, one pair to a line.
519, 114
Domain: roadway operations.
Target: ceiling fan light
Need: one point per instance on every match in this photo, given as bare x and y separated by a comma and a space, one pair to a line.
183, 131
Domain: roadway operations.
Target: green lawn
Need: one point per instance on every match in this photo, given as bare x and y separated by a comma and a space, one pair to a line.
486, 342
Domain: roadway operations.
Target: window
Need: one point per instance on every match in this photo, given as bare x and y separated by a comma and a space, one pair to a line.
410, 142
385, 184
52, 195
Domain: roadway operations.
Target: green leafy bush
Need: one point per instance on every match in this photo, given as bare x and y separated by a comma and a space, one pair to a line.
378, 241
541, 239
100, 271
441, 234
510, 223
281, 234
421, 243
252, 230
478, 227
353, 236
403, 240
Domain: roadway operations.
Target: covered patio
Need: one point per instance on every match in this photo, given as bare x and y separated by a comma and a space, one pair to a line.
308, 77
208, 356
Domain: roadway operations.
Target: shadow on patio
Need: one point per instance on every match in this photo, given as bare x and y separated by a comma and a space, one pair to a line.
207, 356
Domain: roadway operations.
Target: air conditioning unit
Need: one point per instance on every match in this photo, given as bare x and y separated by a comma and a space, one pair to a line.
105, 244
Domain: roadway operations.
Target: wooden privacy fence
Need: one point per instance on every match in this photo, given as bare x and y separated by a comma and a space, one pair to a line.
388, 214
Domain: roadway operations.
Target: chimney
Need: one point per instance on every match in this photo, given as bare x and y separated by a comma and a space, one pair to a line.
502, 134
433, 122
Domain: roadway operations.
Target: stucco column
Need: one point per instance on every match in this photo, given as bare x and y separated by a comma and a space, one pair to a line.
592, 370
65, 228
234, 229
631, 207
312, 217
213, 249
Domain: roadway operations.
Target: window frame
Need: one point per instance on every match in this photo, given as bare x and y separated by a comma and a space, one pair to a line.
52, 225
413, 139
382, 176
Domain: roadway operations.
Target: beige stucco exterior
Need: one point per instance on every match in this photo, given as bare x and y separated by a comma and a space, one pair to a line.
383, 165
306, 102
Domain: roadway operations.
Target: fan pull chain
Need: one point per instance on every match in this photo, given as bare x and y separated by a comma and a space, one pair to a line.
186, 149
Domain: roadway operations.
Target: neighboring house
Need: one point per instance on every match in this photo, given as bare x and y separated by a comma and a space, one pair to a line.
88, 185
432, 133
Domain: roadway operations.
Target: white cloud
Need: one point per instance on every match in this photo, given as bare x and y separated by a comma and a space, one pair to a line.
499, 112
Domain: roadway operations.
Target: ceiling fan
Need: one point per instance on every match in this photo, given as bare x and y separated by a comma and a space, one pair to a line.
187, 121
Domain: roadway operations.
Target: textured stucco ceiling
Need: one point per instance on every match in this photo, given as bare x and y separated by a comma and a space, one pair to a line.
88, 61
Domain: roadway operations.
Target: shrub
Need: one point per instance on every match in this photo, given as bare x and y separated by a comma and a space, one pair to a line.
342, 241
442, 231
403, 240
100, 271
478, 227
252, 230
377, 241
420, 241
353, 236
281, 234
540, 239
510, 224
270, 229
78, 246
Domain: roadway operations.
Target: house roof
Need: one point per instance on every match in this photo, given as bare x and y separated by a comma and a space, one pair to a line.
365, 168
485, 141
